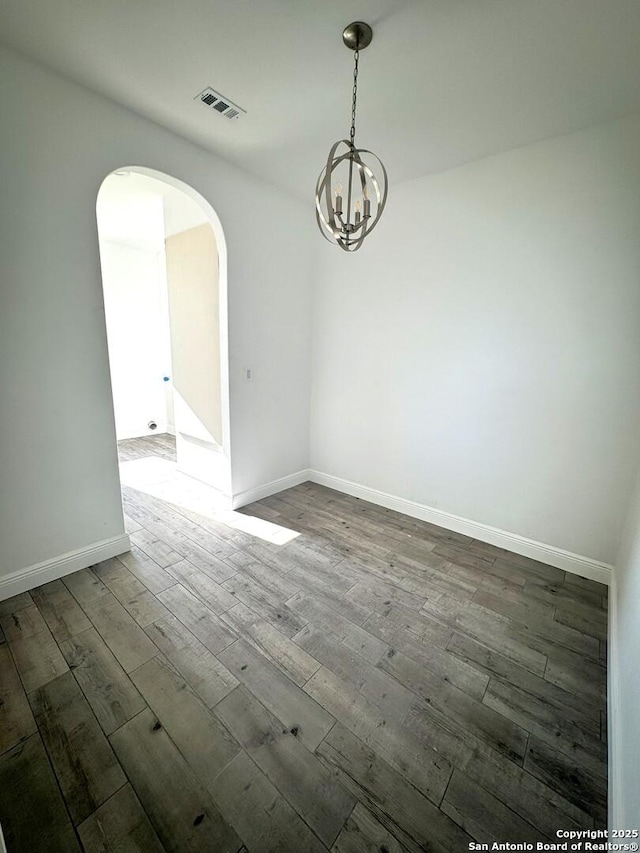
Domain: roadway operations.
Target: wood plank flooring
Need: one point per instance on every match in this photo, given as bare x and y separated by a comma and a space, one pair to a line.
375, 684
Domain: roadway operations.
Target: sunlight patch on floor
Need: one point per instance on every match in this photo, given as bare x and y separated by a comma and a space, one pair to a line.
161, 479
257, 527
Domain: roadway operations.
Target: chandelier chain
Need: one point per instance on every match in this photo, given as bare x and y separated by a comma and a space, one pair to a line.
352, 132
350, 197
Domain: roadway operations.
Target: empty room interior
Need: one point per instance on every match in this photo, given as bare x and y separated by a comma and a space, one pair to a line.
320, 417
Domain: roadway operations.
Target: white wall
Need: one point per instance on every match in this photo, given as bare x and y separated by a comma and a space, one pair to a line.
131, 235
138, 336
624, 684
481, 353
58, 141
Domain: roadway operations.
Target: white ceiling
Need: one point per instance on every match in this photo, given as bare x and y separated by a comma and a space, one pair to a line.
444, 81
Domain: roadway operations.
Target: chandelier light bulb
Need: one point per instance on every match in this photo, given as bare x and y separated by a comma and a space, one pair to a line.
367, 176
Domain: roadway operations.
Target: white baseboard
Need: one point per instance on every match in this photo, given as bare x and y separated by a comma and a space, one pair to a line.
26, 579
616, 818
248, 496
549, 554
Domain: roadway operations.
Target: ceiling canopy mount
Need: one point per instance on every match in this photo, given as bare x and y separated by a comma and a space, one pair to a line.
357, 35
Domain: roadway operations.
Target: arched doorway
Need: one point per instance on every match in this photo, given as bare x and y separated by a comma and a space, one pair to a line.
164, 270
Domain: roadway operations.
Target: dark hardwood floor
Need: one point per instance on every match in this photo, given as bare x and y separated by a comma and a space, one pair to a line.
374, 684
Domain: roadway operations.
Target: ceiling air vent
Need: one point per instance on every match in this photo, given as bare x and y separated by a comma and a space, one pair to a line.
215, 101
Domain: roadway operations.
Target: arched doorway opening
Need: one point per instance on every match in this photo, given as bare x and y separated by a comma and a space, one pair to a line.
164, 271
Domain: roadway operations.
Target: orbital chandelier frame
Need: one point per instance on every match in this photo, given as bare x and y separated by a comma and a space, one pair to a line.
347, 226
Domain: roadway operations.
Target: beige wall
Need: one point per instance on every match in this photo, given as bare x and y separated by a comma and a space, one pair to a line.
192, 279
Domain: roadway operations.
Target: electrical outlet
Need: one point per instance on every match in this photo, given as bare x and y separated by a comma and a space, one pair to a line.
248, 373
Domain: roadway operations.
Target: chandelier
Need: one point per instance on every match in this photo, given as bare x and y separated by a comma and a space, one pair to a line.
349, 197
